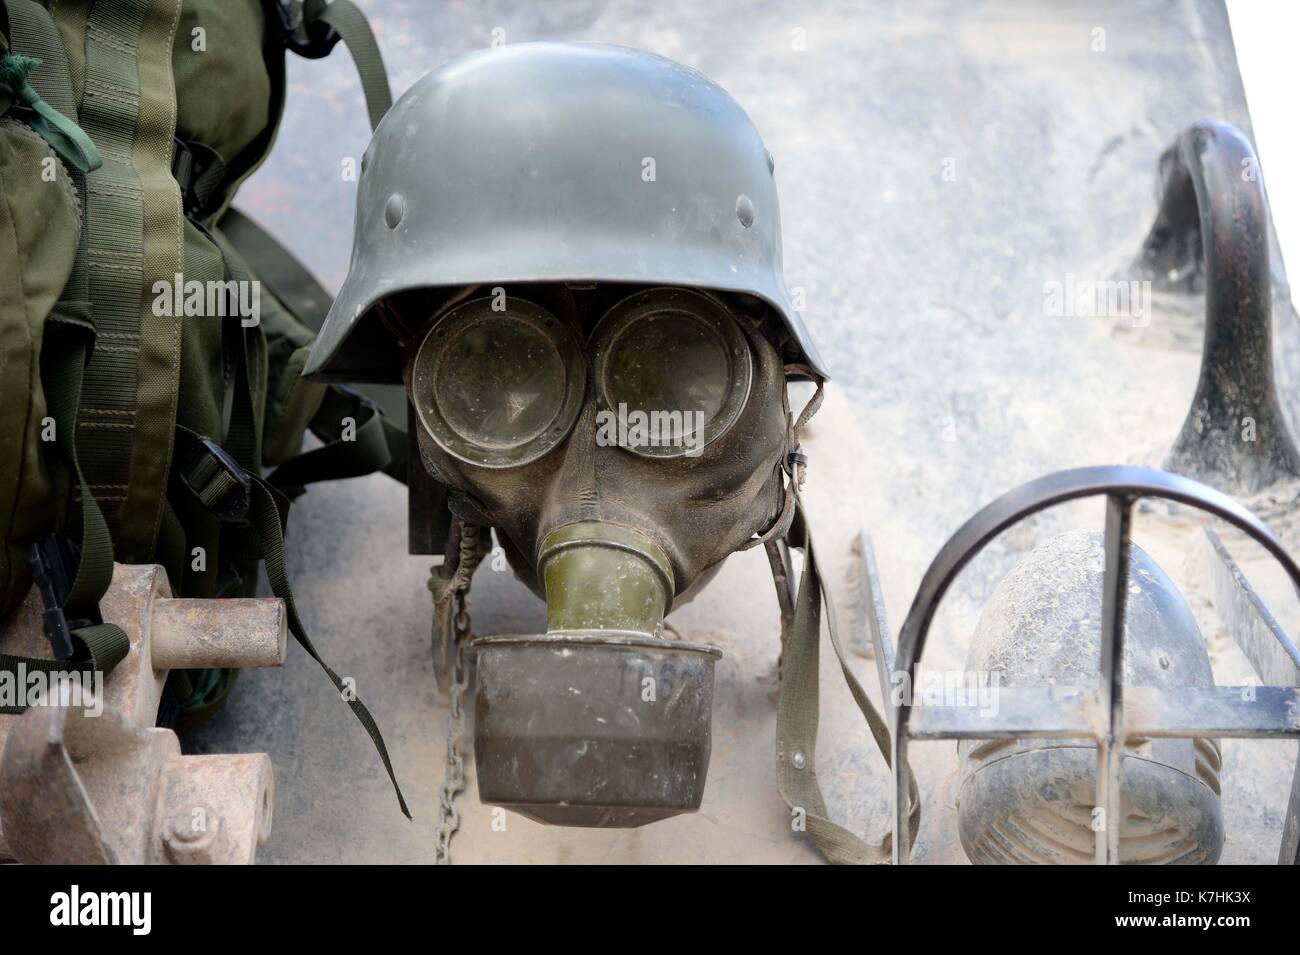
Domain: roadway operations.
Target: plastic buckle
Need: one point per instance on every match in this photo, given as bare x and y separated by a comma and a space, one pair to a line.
183, 170
310, 39
54, 562
189, 162
208, 461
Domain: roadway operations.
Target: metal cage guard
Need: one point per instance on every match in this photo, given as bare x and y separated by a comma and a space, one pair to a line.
1111, 713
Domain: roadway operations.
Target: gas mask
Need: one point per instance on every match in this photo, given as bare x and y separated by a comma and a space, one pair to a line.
622, 442
570, 255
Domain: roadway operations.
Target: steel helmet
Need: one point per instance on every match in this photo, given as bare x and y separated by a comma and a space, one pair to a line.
557, 162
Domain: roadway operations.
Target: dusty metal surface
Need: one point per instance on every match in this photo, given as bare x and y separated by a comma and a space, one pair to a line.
1211, 235
943, 168
96, 781
1270, 649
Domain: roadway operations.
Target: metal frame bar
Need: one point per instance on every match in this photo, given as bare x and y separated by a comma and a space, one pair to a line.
1215, 218
1216, 711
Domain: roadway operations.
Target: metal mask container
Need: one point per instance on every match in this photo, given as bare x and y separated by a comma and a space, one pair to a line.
598, 722
567, 730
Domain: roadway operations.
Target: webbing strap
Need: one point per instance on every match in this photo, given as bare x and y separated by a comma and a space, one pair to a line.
350, 451
306, 299
288, 279
243, 428
67, 341
798, 715
134, 239
199, 171
100, 647
63, 358
97, 646
353, 29
794, 463
266, 520
212, 481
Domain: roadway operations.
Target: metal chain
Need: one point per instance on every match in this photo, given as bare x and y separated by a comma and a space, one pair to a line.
444, 589
454, 779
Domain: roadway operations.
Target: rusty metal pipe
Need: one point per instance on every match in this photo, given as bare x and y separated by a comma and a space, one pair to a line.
237, 632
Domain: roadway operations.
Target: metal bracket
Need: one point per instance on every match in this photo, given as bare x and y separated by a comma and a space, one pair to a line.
1213, 221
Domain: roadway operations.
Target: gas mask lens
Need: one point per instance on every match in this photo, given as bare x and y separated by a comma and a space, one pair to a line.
673, 372
499, 388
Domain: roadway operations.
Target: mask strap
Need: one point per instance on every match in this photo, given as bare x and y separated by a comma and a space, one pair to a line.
794, 462
799, 704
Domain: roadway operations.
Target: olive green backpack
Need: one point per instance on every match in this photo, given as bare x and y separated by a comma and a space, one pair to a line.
148, 376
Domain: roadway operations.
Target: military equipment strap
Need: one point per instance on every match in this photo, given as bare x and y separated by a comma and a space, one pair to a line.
266, 516
306, 299
799, 704
74, 617
199, 171
795, 463
357, 440
100, 647
287, 278
64, 358
80, 639
243, 434
134, 241
233, 494
347, 20
351, 449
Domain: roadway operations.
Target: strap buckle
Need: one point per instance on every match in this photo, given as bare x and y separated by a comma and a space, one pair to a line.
183, 170
217, 480
54, 561
309, 38
191, 164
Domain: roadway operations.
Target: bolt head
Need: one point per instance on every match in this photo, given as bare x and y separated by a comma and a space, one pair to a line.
193, 836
